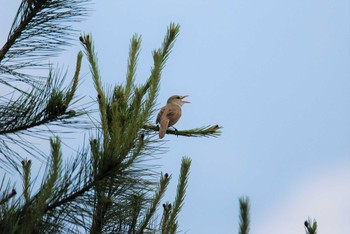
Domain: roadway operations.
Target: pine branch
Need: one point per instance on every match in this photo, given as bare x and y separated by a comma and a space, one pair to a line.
168, 43
55, 169
122, 139
112, 191
30, 217
136, 206
12, 158
70, 198
163, 184
96, 77
136, 153
160, 56
244, 221
8, 197
98, 177
45, 104
172, 224
206, 131
134, 52
165, 217
68, 216
71, 93
26, 164
42, 105
99, 216
310, 226
40, 30
25, 14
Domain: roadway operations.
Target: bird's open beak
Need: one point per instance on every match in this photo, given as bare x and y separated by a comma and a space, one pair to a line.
184, 101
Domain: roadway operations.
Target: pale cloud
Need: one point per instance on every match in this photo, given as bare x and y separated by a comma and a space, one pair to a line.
325, 196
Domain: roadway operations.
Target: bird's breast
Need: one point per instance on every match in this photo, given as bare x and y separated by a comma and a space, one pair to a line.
174, 114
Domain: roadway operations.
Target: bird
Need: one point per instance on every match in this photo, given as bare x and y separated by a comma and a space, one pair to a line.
170, 113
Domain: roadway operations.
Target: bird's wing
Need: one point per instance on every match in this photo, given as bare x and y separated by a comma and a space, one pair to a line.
159, 116
164, 122
173, 114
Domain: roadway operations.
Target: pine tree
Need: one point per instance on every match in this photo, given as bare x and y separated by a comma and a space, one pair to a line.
105, 188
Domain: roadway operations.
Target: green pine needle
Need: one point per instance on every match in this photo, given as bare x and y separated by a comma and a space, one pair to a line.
244, 215
163, 184
180, 195
310, 226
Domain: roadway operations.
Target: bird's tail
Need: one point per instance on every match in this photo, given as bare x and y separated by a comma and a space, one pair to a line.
163, 127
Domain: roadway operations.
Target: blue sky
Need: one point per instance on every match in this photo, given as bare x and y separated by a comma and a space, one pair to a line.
274, 74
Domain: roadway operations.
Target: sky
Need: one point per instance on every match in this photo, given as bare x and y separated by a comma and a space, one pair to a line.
274, 74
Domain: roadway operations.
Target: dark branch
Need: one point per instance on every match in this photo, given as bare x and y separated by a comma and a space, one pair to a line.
8, 197
16, 33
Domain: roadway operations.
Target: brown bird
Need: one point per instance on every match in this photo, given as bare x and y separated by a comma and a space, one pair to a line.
170, 113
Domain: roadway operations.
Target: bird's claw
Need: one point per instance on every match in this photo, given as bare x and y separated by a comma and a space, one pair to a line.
175, 131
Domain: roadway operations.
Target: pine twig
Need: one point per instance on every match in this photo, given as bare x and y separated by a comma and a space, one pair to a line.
8, 197
163, 183
87, 42
160, 56
26, 164
134, 52
180, 195
310, 226
206, 131
26, 18
244, 215
38, 31
165, 218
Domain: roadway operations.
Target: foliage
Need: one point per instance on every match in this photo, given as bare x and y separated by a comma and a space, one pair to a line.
40, 30
110, 186
244, 215
310, 226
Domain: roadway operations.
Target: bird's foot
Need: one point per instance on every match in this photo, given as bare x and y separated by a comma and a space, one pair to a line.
175, 130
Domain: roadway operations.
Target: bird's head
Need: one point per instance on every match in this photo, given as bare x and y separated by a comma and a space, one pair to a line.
177, 99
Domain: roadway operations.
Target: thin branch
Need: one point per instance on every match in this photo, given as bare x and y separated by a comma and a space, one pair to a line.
206, 131
30, 12
41, 29
8, 197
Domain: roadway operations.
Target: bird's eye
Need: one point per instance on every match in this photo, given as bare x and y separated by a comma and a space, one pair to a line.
178, 97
